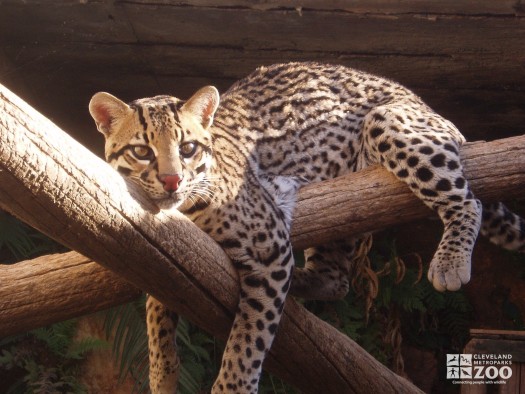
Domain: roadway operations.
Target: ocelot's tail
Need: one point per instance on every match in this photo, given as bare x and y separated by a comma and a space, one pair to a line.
502, 227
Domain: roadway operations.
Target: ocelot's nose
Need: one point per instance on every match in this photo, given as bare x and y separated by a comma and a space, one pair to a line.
171, 182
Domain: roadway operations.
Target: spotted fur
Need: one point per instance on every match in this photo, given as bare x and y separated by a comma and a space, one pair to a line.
234, 170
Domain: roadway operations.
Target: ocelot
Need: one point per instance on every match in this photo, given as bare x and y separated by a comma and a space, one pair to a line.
234, 168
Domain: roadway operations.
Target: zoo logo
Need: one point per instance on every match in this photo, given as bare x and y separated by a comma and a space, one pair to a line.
468, 366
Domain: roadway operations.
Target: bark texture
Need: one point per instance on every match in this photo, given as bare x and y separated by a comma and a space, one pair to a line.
54, 288
373, 199
54, 184
366, 201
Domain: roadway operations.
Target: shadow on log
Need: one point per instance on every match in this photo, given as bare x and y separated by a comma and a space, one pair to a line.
57, 186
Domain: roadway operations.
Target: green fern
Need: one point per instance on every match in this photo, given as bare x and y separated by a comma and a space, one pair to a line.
21, 241
7, 359
434, 299
198, 366
271, 384
57, 337
131, 352
49, 357
77, 350
130, 341
429, 319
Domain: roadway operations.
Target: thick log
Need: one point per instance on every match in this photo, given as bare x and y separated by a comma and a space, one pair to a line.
54, 288
56, 185
356, 203
373, 199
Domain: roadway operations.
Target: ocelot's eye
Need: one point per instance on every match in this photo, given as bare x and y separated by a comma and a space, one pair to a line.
142, 152
188, 149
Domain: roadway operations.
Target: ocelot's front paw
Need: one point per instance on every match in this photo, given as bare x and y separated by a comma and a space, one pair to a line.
449, 273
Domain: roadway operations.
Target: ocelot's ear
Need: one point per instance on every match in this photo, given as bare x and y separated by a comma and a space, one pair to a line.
203, 105
105, 109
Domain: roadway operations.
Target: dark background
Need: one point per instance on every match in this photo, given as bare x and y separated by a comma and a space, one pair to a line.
466, 59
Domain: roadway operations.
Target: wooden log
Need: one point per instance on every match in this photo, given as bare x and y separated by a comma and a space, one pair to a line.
353, 204
373, 199
57, 287
56, 185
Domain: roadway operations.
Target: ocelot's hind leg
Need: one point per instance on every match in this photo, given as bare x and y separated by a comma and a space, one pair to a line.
422, 149
164, 361
328, 269
503, 227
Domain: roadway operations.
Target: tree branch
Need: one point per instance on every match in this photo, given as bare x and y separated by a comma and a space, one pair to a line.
366, 201
374, 199
54, 288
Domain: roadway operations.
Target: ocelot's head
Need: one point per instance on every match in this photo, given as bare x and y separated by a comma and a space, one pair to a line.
162, 143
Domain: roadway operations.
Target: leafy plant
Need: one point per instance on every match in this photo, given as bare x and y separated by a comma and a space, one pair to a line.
130, 341
406, 308
47, 359
128, 323
19, 241
200, 353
